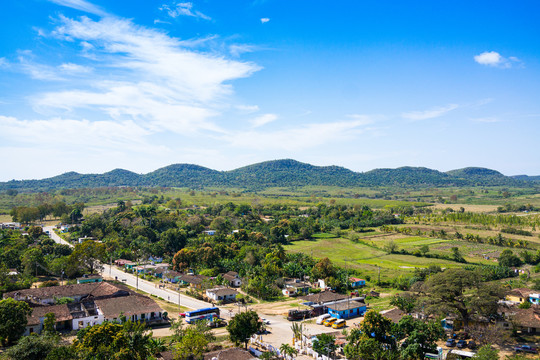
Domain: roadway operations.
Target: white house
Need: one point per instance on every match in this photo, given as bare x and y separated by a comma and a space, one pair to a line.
233, 279
222, 294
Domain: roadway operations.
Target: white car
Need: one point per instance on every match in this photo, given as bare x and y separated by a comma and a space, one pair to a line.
266, 322
320, 319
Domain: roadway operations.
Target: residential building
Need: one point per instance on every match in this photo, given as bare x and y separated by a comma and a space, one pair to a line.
233, 279
194, 281
519, 295
89, 279
346, 309
356, 282
222, 294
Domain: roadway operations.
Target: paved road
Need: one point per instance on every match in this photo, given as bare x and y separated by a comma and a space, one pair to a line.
54, 236
150, 288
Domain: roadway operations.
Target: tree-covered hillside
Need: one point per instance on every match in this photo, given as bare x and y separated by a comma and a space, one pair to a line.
277, 173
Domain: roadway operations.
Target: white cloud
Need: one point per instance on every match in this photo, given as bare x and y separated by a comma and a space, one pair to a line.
248, 108
486, 120
239, 49
263, 120
494, 59
429, 114
298, 138
74, 68
180, 90
265, 20
183, 9
82, 5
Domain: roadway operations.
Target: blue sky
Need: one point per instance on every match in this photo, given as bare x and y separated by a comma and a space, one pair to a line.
90, 86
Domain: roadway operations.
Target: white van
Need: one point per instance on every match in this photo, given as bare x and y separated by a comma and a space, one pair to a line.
321, 318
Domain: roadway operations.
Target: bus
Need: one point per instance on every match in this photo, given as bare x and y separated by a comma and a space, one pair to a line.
202, 314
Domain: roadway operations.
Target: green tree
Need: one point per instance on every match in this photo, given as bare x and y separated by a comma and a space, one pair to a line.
49, 323
325, 344
33, 347
12, 320
288, 350
192, 345
86, 257
242, 326
403, 302
419, 337
508, 258
486, 352
461, 292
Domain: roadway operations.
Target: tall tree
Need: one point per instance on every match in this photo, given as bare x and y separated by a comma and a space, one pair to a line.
242, 326
13, 320
87, 257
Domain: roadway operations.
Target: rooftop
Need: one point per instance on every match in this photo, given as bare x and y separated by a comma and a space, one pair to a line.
223, 291
129, 305
323, 297
346, 305
97, 290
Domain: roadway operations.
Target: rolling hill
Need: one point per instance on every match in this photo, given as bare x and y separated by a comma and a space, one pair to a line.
276, 173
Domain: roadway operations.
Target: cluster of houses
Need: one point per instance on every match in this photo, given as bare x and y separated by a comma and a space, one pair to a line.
297, 287
85, 304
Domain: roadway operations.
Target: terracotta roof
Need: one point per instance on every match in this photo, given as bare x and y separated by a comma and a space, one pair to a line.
98, 289
527, 317
231, 275
128, 305
194, 279
346, 305
223, 291
229, 354
353, 279
395, 314
61, 313
323, 297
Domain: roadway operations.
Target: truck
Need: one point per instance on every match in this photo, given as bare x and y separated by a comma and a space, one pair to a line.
305, 314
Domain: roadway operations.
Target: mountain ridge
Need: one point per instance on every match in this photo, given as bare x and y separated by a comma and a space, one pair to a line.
276, 173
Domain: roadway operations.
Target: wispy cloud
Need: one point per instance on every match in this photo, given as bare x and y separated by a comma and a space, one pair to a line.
486, 120
298, 138
179, 91
248, 108
74, 68
263, 120
81, 5
429, 114
239, 49
494, 59
175, 10
265, 20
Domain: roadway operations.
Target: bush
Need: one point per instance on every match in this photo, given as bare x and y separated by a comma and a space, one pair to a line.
49, 283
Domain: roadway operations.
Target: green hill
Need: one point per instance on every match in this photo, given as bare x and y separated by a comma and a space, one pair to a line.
276, 173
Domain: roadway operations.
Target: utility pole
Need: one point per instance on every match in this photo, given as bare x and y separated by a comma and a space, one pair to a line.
379, 275
110, 266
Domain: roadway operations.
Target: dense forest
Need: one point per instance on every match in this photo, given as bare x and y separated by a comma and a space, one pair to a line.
274, 174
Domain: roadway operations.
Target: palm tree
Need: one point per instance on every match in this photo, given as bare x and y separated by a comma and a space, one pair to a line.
288, 351
156, 345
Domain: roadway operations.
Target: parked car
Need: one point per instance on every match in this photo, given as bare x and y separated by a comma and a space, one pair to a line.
339, 324
182, 315
461, 344
322, 318
471, 345
450, 342
329, 322
266, 322
526, 349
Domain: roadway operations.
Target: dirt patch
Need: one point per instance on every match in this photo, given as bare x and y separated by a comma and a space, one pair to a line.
470, 208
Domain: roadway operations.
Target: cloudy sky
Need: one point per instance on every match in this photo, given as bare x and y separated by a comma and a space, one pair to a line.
90, 86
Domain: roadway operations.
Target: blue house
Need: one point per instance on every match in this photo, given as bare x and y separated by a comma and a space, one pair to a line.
355, 282
347, 309
172, 276
534, 298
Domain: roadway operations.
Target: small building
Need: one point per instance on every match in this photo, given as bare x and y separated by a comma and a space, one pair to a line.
356, 282
222, 294
130, 265
519, 295
347, 309
89, 279
535, 299
296, 287
194, 281
395, 315
233, 279
121, 262
83, 239
210, 232
172, 276
134, 308
155, 259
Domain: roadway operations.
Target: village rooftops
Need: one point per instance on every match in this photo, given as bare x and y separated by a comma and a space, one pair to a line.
229, 354
323, 297
194, 279
61, 313
521, 292
346, 305
222, 291
395, 314
96, 290
231, 275
129, 305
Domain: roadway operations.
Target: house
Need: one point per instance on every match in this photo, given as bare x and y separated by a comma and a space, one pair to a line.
230, 354
121, 262
356, 283
519, 295
210, 232
83, 239
194, 281
89, 279
145, 269
159, 272
322, 298
347, 309
172, 276
134, 308
155, 259
526, 320
222, 294
76, 292
130, 265
233, 279
295, 287
395, 314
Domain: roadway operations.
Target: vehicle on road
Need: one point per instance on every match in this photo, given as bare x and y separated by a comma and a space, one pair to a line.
202, 314
266, 322
329, 322
339, 324
322, 318
461, 344
182, 314
526, 349
450, 343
